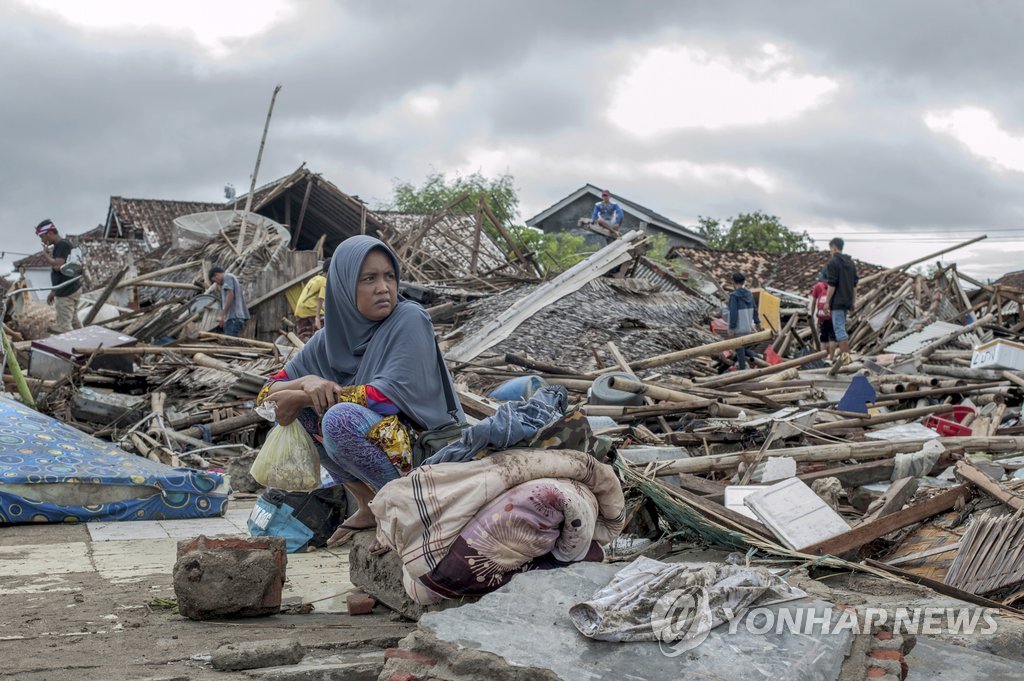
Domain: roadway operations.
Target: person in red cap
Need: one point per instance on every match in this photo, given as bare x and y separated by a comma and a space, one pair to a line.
66, 289
607, 214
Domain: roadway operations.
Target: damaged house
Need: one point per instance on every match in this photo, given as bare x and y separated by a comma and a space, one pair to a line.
565, 216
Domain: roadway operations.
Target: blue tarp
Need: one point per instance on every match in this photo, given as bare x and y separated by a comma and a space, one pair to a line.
51, 472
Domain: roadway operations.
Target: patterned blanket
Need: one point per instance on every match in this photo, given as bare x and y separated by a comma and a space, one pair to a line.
467, 528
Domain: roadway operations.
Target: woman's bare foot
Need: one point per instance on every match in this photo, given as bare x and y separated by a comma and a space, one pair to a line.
360, 520
377, 549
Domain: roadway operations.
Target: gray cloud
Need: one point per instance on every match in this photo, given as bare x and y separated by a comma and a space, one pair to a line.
89, 115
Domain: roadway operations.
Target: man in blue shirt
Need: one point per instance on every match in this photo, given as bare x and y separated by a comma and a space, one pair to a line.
234, 312
607, 214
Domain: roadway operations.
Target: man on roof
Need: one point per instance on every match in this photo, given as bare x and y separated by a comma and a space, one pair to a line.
607, 214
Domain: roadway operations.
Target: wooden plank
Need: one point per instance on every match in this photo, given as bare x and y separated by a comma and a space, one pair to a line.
976, 477
284, 287
700, 351
864, 534
894, 498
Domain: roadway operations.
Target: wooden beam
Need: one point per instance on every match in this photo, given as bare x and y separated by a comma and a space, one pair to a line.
101, 301
284, 287
996, 490
869, 532
302, 210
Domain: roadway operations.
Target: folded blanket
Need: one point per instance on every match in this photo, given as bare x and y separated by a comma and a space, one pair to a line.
423, 515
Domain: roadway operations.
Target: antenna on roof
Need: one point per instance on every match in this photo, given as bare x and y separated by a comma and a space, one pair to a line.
229, 193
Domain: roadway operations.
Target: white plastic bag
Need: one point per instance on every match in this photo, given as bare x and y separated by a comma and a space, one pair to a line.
288, 460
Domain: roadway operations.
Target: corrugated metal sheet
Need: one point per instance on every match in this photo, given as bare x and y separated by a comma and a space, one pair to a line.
914, 341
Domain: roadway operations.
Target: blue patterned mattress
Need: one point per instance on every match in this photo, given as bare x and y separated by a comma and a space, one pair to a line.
53, 473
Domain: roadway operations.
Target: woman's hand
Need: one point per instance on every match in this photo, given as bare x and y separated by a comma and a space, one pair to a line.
289, 404
322, 393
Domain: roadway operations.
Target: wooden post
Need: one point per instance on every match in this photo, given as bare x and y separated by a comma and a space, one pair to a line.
475, 256
109, 289
302, 212
255, 172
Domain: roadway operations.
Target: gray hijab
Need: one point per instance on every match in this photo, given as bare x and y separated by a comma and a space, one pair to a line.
397, 355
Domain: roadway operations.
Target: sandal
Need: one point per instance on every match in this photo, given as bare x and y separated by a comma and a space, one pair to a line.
353, 531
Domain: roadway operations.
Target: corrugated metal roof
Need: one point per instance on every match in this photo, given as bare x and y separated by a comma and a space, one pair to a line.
908, 344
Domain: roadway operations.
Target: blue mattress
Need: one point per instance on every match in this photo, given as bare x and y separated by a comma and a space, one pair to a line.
53, 473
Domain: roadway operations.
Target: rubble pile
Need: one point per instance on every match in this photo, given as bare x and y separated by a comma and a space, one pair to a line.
905, 463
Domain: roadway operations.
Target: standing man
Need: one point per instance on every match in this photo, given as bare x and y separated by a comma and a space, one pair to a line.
67, 289
841, 276
234, 313
309, 312
607, 214
821, 317
743, 315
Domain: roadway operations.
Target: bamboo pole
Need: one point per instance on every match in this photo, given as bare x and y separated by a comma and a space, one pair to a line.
885, 418
858, 451
657, 393
15, 369
740, 376
255, 173
900, 268
699, 351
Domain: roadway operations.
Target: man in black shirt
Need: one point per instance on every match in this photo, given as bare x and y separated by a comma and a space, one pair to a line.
841, 276
66, 289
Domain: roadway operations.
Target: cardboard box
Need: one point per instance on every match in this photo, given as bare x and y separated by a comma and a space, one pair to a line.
999, 354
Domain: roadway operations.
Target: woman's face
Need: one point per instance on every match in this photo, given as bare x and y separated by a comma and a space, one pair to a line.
377, 287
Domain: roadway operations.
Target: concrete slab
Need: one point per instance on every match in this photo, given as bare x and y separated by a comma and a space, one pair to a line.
44, 559
526, 622
933, 660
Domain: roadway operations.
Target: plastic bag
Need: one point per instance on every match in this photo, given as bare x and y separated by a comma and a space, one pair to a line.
288, 460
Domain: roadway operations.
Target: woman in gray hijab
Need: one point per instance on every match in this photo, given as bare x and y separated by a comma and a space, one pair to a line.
368, 380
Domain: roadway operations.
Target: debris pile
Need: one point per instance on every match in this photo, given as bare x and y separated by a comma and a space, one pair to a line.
904, 463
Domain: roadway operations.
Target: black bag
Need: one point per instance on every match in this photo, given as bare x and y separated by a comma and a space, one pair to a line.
430, 442
321, 510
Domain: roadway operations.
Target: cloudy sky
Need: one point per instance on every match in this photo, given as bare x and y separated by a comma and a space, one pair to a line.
898, 124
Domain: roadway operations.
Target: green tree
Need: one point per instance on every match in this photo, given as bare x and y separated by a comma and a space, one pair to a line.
555, 252
439, 190
755, 231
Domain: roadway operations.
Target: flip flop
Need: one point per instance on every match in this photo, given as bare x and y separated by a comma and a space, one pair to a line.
348, 537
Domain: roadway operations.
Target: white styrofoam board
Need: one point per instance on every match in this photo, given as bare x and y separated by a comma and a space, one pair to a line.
795, 514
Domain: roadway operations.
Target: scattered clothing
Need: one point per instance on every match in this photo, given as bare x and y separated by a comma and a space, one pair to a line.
653, 601
423, 515
513, 423
610, 212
